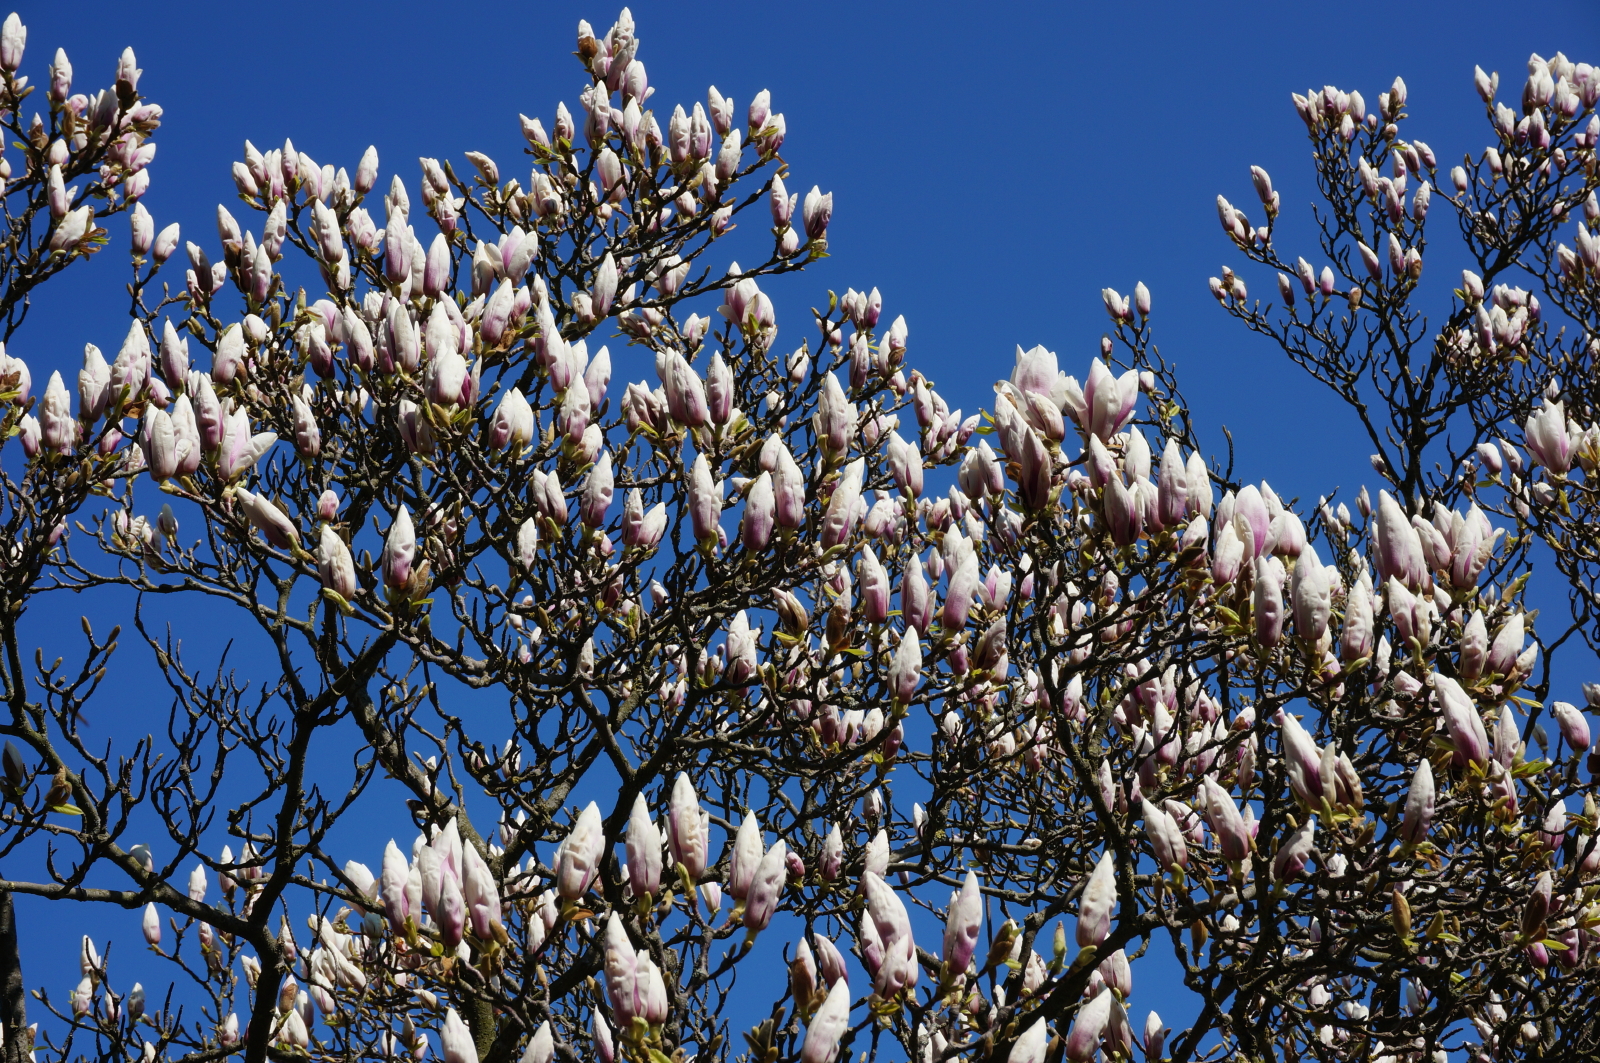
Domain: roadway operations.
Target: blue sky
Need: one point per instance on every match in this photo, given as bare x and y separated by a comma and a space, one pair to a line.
990, 175
993, 166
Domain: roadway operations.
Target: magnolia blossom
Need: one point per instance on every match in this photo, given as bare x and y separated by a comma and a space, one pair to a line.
401, 399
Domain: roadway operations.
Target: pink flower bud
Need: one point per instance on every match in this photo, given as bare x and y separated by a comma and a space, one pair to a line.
1290, 860
874, 587
644, 850
766, 887
1462, 721
334, 564
450, 912
827, 1026
578, 857
482, 897
705, 500
1031, 1044
1574, 726
788, 483
513, 422
1166, 839
1222, 813
755, 529
719, 390
392, 887
1098, 901
621, 966
744, 857
816, 213
840, 518
1108, 400
916, 599
1267, 600
263, 514
597, 492
399, 548
1539, 905
1083, 1042
963, 925
604, 1047
1547, 438
455, 1040
29, 435
686, 396
1398, 549
1507, 646
905, 670
687, 828
541, 1046
13, 39
1303, 761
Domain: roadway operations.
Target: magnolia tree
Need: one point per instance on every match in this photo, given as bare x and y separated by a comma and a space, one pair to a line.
720, 652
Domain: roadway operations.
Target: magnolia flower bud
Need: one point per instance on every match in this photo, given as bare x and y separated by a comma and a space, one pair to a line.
1290, 860
1538, 906
513, 422
744, 857
959, 594
705, 500
335, 566
644, 850
963, 925
1355, 641
399, 549
1303, 761
1507, 645
455, 1040
13, 39
392, 888
1547, 439
840, 518
482, 896
816, 213
1083, 1042
1462, 721
597, 493
1031, 1044
1398, 550
274, 526
686, 395
766, 887
1222, 814
897, 971
1574, 725
687, 828
450, 910
605, 286
905, 670
1098, 900
755, 529
1267, 600
1166, 839
578, 857
1419, 805
541, 1046
827, 1026
1311, 597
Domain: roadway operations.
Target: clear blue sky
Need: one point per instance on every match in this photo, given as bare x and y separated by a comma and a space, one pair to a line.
993, 165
